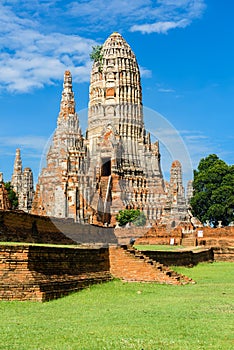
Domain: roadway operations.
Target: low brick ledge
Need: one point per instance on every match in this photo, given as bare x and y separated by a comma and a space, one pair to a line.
42, 273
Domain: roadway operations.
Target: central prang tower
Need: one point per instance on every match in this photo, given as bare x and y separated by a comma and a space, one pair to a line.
115, 97
115, 166
119, 147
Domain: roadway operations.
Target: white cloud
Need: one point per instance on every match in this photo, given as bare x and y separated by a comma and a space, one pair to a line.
37, 47
195, 138
169, 15
141, 15
146, 73
198, 144
112, 12
166, 90
30, 59
160, 27
36, 143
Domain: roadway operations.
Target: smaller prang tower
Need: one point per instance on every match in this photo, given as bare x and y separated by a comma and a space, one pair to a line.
22, 183
175, 209
63, 189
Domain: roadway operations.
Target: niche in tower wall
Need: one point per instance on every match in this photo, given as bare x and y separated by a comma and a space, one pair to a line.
106, 166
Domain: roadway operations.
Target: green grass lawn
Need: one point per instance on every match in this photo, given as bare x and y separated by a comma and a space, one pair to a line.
119, 315
159, 247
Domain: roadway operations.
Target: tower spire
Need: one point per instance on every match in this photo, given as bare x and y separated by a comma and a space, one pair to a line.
67, 105
18, 162
176, 184
17, 173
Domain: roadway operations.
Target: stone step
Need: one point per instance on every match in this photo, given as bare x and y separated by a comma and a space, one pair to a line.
175, 277
188, 242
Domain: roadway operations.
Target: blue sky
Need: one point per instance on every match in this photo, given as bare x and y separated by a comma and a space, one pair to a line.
185, 49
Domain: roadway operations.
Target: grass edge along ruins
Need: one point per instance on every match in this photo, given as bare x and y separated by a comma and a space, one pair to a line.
115, 165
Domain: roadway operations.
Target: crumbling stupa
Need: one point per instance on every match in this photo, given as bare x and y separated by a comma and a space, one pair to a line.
22, 183
4, 200
115, 166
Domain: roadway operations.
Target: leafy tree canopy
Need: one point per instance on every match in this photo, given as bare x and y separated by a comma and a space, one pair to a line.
213, 198
97, 56
11, 195
135, 216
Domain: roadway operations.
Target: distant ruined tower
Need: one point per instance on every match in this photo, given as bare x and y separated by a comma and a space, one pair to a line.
16, 180
22, 183
176, 184
116, 165
175, 209
189, 192
4, 201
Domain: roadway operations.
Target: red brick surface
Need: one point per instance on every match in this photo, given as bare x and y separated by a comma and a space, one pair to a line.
18, 226
43, 273
217, 237
212, 237
131, 265
224, 254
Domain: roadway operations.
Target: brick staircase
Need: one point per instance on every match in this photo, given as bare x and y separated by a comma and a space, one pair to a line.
188, 241
131, 265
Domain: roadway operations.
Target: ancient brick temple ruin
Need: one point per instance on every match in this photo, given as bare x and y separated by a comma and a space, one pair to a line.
4, 201
115, 165
22, 183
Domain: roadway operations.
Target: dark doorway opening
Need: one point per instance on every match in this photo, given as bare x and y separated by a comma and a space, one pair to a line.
106, 166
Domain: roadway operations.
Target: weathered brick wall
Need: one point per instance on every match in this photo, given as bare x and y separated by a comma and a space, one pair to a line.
183, 258
124, 235
23, 227
224, 254
212, 237
44, 273
159, 234
220, 237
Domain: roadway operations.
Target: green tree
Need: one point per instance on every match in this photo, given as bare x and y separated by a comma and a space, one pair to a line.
11, 195
97, 56
213, 198
140, 220
131, 215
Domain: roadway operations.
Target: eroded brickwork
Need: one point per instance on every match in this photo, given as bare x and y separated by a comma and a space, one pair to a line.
133, 266
4, 201
23, 227
187, 235
181, 258
45, 273
42, 273
216, 237
115, 166
223, 254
